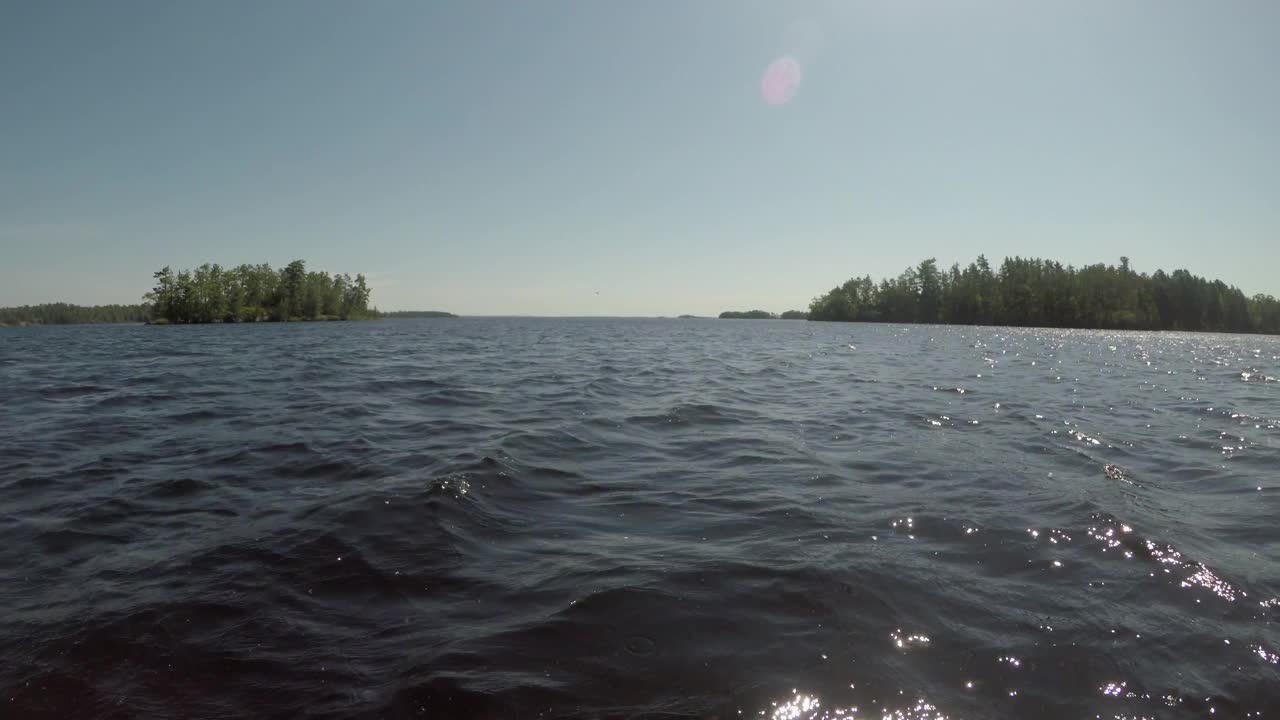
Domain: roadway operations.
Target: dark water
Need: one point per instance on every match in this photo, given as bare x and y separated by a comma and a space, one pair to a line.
637, 519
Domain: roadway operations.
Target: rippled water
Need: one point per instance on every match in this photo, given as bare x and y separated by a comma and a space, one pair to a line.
518, 518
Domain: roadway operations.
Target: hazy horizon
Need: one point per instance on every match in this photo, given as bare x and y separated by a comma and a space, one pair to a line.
584, 159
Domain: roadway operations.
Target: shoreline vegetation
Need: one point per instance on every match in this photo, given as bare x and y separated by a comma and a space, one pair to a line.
67, 314
1028, 292
408, 314
1044, 293
256, 293
763, 315
213, 294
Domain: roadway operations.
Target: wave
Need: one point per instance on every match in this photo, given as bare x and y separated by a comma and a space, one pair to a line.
637, 519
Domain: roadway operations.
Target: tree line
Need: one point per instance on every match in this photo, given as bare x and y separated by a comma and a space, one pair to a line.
1045, 293
67, 314
410, 314
760, 315
256, 293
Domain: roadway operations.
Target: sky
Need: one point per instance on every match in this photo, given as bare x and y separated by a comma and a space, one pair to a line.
631, 158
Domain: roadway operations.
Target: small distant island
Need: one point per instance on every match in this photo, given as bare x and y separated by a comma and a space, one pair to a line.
402, 314
763, 315
1045, 293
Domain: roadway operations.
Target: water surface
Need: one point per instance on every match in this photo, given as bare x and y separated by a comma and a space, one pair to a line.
519, 518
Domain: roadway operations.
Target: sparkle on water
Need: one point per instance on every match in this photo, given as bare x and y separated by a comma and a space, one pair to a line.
742, 505
801, 706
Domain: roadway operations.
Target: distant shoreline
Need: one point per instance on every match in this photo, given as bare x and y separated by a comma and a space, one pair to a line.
1033, 292
129, 323
406, 314
763, 315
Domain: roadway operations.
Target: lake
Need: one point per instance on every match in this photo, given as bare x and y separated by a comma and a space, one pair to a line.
604, 518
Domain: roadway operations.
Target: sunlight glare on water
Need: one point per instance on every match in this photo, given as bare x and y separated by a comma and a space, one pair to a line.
801, 706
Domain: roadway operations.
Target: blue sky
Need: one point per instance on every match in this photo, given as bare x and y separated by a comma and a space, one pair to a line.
494, 157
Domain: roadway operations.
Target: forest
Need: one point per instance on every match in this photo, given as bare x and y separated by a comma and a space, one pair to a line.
256, 293
1045, 293
65, 314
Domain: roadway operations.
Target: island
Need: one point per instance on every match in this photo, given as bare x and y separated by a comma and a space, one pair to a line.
1046, 293
256, 293
747, 315
404, 314
795, 315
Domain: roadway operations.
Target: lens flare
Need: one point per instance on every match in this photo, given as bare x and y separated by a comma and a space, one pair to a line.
781, 81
